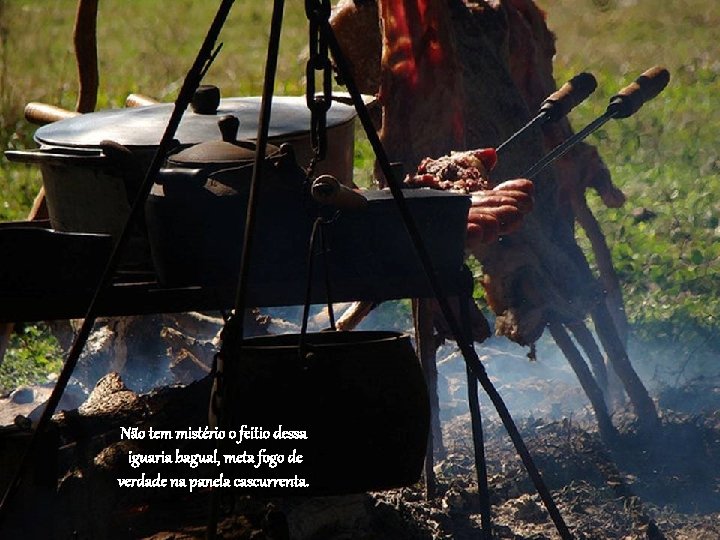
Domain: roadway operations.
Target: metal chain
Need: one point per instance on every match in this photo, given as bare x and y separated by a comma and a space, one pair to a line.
318, 13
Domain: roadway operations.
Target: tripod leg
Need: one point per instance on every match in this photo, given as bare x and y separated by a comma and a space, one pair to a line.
477, 431
427, 348
588, 383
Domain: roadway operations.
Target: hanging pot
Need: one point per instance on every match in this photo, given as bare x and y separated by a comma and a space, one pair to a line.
359, 398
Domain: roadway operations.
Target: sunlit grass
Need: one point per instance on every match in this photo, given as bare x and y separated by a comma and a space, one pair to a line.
143, 47
33, 354
665, 158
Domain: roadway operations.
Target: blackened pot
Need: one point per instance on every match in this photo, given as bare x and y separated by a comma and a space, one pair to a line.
196, 232
360, 398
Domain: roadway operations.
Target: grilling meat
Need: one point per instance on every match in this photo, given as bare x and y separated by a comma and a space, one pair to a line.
495, 211
357, 28
459, 74
421, 85
463, 172
531, 47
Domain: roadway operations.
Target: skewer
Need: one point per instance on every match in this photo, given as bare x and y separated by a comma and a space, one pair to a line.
587, 381
622, 105
558, 104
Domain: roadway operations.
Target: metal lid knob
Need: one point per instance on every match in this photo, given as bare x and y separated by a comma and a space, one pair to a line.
206, 99
229, 126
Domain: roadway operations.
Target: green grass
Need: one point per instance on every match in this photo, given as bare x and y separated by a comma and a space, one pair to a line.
143, 47
32, 355
665, 158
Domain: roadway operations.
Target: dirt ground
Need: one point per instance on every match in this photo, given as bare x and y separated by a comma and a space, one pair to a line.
665, 487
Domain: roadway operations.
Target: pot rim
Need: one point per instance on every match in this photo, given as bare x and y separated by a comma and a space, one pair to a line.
322, 340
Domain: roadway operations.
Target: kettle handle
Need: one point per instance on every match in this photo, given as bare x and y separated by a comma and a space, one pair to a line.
42, 113
59, 156
177, 178
326, 190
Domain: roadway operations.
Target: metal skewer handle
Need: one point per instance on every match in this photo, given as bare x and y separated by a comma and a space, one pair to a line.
569, 96
558, 104
622, 105
648, 85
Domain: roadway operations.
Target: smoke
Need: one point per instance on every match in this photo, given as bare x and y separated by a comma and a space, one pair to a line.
682, 375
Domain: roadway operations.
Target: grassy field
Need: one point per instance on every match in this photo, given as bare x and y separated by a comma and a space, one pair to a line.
665, 158
143, 47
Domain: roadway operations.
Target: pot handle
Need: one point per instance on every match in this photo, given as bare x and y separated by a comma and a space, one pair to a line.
326, 190
85, 157
179, 180
42, 113
139, 100
371, 102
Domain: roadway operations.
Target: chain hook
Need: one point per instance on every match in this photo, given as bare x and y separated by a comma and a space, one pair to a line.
318, 14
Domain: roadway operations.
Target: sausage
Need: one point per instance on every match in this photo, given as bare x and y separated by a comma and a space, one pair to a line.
509, 217
482, 228
489, 199
524, 201
517, 184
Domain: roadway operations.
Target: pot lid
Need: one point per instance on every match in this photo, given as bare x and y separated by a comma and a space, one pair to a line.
221, 151
144, 126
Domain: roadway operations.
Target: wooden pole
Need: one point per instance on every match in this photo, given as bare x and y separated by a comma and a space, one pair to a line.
427, 352
588, 383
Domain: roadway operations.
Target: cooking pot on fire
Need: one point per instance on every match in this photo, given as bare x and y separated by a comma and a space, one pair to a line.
353, 404
196, 226
88, 187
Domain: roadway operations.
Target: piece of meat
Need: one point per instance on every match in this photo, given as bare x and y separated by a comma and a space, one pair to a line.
531, 52
463, 172
495, 211
446, 85
537, 276
418, 59
357, 26
513, 32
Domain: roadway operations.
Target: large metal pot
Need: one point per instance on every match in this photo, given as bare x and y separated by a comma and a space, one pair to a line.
196, 227
196, 215
88, 191
356, 400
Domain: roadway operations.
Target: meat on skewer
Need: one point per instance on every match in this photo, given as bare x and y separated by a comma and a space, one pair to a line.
495, 210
